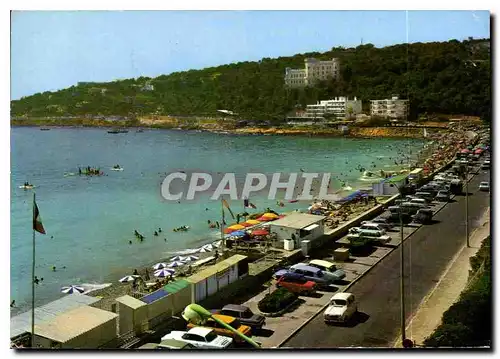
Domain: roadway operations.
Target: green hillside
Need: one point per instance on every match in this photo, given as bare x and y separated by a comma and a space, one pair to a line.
443, 77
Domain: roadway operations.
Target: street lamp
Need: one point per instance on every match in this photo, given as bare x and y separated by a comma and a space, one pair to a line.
402, 269
196, 314
467, 205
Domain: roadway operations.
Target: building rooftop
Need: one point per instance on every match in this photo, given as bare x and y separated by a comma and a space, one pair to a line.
22, 323
297, 220
73, 323
213, 269
130, 301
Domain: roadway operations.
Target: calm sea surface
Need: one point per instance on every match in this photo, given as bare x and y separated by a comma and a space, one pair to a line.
90, 220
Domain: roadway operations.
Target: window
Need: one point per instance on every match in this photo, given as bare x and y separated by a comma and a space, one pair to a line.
339, 302
210, 337
188, 336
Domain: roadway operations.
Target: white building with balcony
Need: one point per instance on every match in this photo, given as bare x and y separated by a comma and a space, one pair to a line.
390, 108
314, 70
340, 107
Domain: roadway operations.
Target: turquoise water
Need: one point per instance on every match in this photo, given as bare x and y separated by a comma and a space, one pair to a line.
89, 220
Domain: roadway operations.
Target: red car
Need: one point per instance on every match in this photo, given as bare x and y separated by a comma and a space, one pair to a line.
296, 283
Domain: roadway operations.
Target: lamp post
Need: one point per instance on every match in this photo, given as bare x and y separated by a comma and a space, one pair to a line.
467, 205
402, 271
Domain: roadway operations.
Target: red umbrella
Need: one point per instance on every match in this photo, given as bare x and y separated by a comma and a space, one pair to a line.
264, 219
260, 232
229, 230
465, 150
478, 151
282, 216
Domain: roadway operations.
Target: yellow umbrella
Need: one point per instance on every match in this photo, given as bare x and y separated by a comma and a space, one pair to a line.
253, 221
236, 227
270, 215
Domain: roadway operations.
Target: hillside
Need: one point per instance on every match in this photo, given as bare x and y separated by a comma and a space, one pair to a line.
443, 77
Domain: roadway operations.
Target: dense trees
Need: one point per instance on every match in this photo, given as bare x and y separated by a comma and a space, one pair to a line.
447, 77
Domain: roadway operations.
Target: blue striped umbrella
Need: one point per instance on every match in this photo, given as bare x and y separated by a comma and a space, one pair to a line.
72, 289
164, 273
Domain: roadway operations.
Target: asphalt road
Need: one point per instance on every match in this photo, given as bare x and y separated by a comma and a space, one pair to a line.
427, 253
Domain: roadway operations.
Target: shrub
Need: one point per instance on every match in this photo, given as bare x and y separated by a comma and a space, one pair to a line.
448, 335
276, 301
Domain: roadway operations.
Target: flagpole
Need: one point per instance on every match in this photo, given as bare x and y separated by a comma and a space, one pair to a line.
223, 245
33, 281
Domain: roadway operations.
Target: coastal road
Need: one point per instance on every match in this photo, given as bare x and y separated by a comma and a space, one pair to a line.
427, 253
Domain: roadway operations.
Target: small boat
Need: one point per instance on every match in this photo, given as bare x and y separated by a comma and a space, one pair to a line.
116, 168
181, 229
44, 129
67, 174
30, 186
113, 131
122, 131
139, 130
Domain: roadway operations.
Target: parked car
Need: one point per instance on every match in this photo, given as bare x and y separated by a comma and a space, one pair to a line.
412, 208
322, 279
419, 201
423, 216
244, 315
328, 267
167, 344
486, 165
443, 196
372, 227
381, 221
342, 307
202, 338
484, 186
221, 330
396, 212
296, 283
367, 237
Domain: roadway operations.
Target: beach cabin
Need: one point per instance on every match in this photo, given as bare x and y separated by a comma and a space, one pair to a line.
133, 315
390, 186
297, 227
212, 279
84, 327
416, 175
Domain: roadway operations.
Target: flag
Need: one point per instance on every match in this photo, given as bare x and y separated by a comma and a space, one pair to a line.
247, 204
225, 204
37, 220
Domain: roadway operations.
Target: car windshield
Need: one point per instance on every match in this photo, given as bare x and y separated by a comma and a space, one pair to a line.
339, 302
247, 314
210, 336
484, 183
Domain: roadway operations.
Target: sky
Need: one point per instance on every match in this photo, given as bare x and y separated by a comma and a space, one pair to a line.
51, 50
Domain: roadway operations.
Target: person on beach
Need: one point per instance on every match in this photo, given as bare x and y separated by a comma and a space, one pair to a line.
217, 224
135, 272
13, 303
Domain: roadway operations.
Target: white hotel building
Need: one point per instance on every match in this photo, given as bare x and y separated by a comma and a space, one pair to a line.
313, 71
393, 108
339, 107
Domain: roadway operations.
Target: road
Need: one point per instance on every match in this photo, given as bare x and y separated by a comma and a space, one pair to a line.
427, 253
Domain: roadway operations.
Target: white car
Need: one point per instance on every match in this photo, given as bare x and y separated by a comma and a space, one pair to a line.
368, 226
202, 338
342, 307
484, 186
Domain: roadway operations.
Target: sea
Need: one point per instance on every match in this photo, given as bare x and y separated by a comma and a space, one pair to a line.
90, 220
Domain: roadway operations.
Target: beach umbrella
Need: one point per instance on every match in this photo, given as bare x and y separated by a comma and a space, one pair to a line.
159, 266
128, 278
260, 232
217, 244
265, 219
236, 227
281, 216
202, 250
229, 230
208, 247
72, 289
270, 215
246, 224
164, 273
175, 264
190, 258
177, 258
253, 221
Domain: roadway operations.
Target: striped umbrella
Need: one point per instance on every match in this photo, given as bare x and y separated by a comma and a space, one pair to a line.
72, 289
164, 273
217, 244
177, 258
159, 266
190, 258
176, 264
208, 247
128, 278
202, 250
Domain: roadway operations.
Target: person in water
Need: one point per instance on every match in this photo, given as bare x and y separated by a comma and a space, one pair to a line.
159, 230
156, 233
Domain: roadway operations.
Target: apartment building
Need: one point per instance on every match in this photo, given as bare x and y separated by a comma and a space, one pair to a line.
314, 70
390, 108
340, 107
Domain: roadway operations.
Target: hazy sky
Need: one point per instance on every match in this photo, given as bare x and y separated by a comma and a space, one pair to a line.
51, 50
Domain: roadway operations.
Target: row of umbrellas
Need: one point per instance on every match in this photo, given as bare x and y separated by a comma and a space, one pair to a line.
266, 217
